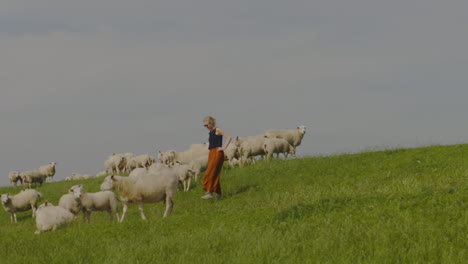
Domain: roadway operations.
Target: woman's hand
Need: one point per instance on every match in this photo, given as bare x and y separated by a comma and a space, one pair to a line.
220, 149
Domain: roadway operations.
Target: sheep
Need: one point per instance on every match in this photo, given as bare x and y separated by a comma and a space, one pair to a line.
23, 201
195, 151
14, 177
184, 173
99, 201
166, 157
77, 176
71, 203
115, 163
278, 145
231, 153
199, 165
48, 170
142, 161
29, 177
250, 147
152, 187
51, 218
293, 136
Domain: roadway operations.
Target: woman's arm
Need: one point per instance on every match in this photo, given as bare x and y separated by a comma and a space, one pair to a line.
220, 132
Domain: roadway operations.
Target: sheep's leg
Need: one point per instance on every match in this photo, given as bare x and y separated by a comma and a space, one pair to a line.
189, 182
124, 212
169, 205
140, 207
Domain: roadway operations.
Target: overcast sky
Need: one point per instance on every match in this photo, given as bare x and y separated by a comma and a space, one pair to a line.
83, 79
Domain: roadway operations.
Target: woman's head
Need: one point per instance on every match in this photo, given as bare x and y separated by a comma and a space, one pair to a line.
209, 122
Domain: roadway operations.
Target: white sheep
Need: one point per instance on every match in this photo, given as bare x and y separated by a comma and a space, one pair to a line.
51, 218
277, 146
142, 161
250, 147
184, 173
194, 152
231, 153
152, 187
23, 201
70, 202
48, 170
166, 157
293, 136
115, 163
199, 165
99, 201
77, 177
14, 177
33, 176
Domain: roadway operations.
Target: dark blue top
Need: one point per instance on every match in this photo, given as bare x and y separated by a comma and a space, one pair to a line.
214, 140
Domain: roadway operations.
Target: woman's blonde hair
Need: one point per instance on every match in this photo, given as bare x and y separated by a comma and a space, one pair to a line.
211, 120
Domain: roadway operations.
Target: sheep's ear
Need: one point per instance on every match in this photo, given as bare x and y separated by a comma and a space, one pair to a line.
112, 177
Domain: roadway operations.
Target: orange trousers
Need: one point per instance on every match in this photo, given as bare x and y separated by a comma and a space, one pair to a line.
213, 171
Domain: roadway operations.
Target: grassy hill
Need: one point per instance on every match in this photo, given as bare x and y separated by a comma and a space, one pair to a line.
395, 206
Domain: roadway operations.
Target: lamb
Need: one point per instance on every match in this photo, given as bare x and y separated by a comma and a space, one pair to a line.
278, 145
51, 218
71, 203
184, 173
99, 201
14, 177
151, 187
23, 201
293, 136
29, 177
194, 152
250, 147
115, 163
199, 165
48, 170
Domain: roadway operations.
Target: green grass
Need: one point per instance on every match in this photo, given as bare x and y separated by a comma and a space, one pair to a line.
394, 206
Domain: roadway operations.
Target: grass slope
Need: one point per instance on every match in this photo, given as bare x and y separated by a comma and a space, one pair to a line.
395, 206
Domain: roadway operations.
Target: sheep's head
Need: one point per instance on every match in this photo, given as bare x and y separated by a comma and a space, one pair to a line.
107, 184
76, 190
6, 198
302, 129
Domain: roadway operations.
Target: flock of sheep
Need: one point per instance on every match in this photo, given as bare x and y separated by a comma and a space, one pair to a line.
148, 181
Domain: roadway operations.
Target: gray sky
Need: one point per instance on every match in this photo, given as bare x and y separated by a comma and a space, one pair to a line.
83, 79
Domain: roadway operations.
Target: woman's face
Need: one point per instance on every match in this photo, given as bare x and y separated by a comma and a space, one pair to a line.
208, 125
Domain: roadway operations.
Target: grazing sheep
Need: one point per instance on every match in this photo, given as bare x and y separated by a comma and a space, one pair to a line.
277, 146
14, 177
184, 173
23, 201
199, 165
166, 157
30, 177
250, 147
293, 136
115, 163
99, 201
194, 152
70, 202
101, 173
48, 170
152, 187
51, 218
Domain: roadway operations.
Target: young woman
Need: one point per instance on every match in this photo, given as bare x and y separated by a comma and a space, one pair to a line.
215, 158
